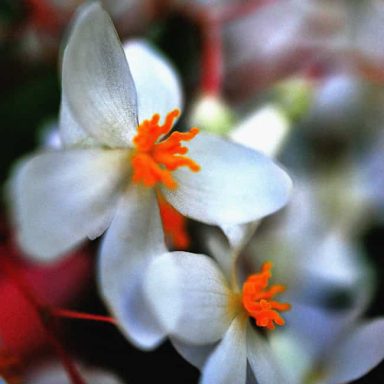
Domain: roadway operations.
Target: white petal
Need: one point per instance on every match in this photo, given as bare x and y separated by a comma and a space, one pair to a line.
262, 360
265, 130
134, 238
235, 185
196, 355
226, 252
218, 247
60, 198
157, 84
316, 328
292, 354
71, 133
96, 80
238, 235
228, 363
190, 297
360, 351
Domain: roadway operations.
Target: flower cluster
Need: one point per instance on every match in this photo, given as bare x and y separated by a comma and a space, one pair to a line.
247, 305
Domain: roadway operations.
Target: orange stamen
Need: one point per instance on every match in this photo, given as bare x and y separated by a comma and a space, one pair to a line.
174, 224
153, 161
257, 299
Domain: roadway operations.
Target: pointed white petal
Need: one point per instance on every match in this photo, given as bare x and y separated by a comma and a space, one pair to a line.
190, 297
262, 360
96, 79
134, 238
217, 246
225, 251
157, 84
71, 133
361, 350
60, 198
228, 363
238, 235
235, 185
196, 355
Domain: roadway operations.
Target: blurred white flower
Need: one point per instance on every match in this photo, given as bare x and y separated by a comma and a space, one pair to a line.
257, 53
265, 130
321, 346
346, 33
112, 158
312, 243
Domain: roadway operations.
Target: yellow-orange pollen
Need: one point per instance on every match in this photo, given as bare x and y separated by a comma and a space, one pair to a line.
257, 298
154, 160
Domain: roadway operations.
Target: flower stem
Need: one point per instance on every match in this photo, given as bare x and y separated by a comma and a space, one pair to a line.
212, 60
211, 56
69, 314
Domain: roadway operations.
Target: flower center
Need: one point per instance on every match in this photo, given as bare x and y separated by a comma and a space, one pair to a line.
153, 161
257, 298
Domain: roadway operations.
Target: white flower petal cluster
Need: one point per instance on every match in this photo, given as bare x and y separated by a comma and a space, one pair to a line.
195, 302
202, 313
119, 163
60, 198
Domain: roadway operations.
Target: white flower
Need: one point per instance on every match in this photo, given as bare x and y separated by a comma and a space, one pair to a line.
328, 347
104, 176
195, 304
330, 286
207, 317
